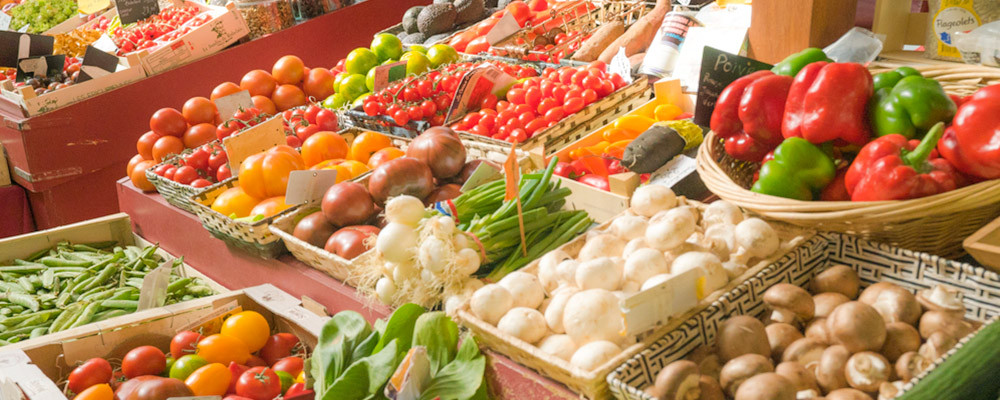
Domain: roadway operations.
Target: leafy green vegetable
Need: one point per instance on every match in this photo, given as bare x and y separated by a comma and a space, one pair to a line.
333, 353
439, 334
400, 326
460, 379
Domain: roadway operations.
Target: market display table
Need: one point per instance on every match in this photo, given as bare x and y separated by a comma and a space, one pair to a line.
70, 158
181, 233
15, 214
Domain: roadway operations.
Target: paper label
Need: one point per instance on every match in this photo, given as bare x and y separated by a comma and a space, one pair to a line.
654, 306
254, 140
105, 44
483, 173
503, 29
24, 28
92, 6
674, 171
229, 105
308, 186
33, 382
304, 318
621, 66
476, 84
4, 21
212, 322
718, 70
130, 11
154, 287
386, 74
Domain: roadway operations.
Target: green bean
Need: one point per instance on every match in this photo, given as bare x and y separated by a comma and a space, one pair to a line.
12, 321
68, 316
15, 332
103, 277
38, 254
83, 285
61, 262
83, 276
23, 269
105, 294
178, 285
85, 316
98, 245
24, 263
26, 284
5, 311
67, 274
108, 314
124, 304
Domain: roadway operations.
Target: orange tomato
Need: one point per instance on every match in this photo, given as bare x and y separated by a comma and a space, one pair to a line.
248, 326
265, 174
199, 110
100, 391
270, 207
234, 201
383, 155
144, 146
224, 89
209, 380
259, 83
366, 144
343, 172
322, 146
319, 83
356, 167
166, 146
288, 96
138, 175
223, 349
264, 104
132, 162
197, 135
289, 70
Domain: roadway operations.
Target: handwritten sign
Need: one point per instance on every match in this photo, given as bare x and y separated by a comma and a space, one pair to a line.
15, 46
474, 86
620, 65
91, 6
503, 29
308, 186
258, 138
388, 73
131, 11
230, 104
96, 64
4, 21
718, 70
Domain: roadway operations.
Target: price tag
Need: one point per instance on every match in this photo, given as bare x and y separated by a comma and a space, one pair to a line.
385, 74
229, 105
15, 46
130, 11
91, 6
258, 138
654, 306
505, 27
309, 186
32, 381
105, 44
96, 64
473, 87
485, 172
674, 171
304, 318
4, 21
621, 66
39, 66
153, 293
718, 70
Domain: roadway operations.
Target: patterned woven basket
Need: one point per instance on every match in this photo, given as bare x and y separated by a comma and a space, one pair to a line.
875, 262
593, 384
177, 194
935, 224
253, 238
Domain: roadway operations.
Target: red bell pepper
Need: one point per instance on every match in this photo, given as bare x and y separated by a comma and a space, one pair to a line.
748, 114
972, 143
566, 170
827, 101
894, 168
836, 190
297, 390
597, 181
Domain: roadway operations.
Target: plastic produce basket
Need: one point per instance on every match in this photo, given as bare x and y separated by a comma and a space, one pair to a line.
874, 262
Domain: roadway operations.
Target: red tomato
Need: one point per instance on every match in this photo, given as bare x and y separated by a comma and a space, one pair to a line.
201, 182
255, 361
198, 135
197, 159
185, 175
198, 110
184, 343
144, 360
555, 114
168, 121
520, 11
224, 172
92, 372
144, 145
296, 390
259, 383
292, 365
478, 45
327, 120
573, 104
166, 146
236, 370
278, 346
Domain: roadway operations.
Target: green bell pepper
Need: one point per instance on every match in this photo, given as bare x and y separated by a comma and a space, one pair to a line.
887, 80
799, 170
911, 108
791, 65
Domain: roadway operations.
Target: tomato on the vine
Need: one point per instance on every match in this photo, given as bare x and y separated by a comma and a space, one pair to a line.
224, 172
184, 343
401, 117
200, 183
327, 120
197, 159
259, 383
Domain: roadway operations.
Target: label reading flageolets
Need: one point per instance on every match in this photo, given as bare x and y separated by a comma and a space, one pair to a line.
950, 20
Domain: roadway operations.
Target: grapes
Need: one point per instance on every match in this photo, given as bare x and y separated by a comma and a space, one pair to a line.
41, 15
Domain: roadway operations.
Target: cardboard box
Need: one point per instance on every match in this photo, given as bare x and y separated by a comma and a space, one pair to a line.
225, 28
36, 367
115, 227
129, 70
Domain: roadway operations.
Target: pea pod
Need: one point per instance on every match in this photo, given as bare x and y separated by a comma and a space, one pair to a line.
22, 299
178, 285
61, 262
108, 314
23, 269
67, 317
86, 316
26, 284
123, 304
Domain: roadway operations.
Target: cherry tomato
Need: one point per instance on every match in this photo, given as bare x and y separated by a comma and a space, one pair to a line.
532, 97
372, 108
201, 182
259, 383
311, 112
92, 372
555, 114
297, 389
534, 126
278, 346
209, 380
217, 158
197, 159
223, 349
144, 360
443, 102
429, 108
235, 371
292, 365
225, 172
401, 117
518, 135
248, 326
185, 175
516, 96
589, 96
186, 365
573, 104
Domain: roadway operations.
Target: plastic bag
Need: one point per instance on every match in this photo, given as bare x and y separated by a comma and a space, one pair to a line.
980, 45
858, 45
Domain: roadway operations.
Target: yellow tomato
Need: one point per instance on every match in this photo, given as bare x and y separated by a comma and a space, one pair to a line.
234, 201
612, 135
634, 124
223, 349
366, 143
356, 167
270, 206
301, 378
209, 380
97, 392
249, 327
667, 112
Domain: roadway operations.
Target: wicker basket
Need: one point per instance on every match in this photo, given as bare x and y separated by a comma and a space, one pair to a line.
253, 238
593, 384
935, 224
341, 268
177, 194
875, 262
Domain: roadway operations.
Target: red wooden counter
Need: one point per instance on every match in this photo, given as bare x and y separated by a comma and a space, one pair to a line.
68, 159
181, 234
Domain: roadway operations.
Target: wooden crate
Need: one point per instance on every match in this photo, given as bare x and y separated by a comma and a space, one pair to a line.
900, 27
129, 70
984, 245
37, 367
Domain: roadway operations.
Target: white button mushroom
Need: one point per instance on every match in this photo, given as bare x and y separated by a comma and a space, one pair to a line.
561, 346
599, 273
757, 237
604, 245
594, 354
721, 212
491, 302
648, 200
554, 312
591, 315
525, 288
715, 276
670, 229
523, 323
644, 264
548, 274
628, 227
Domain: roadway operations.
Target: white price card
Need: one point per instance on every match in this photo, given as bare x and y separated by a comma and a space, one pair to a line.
153, 293
4, 21
308, 186
229, 105
621, 66
258, 138
503, 29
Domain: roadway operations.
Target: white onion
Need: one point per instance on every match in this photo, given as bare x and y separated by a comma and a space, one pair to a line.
406, 210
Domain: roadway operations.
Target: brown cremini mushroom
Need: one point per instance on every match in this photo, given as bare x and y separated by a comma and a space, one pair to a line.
839, 279
801, 378
950, 322
827, 302
900, 338
818, 330
805, 351
677, 381
741, 335
830, 370
766, 386
742, 368
911, 364
857, 326
867, 370
707, 360
847, 394
710, 389
896, 304
789, 303
889, 390
941, 298
871, 293
937, 345
780, 335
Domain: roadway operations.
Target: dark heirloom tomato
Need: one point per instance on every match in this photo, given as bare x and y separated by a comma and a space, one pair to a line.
314, 229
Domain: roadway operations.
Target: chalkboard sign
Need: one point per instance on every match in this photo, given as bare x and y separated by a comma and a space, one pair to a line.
14, 46
136, 10
718, 70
